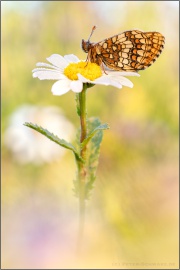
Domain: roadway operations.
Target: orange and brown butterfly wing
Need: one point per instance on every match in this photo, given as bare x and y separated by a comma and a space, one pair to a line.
131, 50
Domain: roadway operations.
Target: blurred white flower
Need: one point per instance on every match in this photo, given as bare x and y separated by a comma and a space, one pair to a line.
71, 73
30, 146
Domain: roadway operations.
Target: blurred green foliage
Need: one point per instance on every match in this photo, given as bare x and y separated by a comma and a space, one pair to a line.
132, 217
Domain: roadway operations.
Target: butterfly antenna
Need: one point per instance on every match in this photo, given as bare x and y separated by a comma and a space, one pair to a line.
94, 27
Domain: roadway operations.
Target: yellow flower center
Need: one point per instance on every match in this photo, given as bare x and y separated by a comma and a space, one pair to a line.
88, 70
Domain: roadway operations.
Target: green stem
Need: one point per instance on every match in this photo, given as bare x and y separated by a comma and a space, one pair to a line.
82, 103
82, 166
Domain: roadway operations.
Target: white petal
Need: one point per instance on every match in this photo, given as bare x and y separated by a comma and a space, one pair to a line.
122, 73
83, 79
57, 60
76, 86
123, 81
60, 87
71, 58
47, 65
104, 80
47, 74
107, 80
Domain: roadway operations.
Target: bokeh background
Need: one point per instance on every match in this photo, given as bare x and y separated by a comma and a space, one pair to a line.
132, 216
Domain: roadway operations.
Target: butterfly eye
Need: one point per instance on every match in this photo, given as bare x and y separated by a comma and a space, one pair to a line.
85, 45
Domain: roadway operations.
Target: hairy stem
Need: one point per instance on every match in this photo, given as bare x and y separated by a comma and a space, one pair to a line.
82, 166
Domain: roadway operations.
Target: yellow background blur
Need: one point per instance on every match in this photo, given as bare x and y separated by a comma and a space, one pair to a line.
132, 216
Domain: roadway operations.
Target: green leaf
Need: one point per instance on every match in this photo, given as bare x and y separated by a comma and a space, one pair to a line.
94, 138
89, 137
55, 139
92, 142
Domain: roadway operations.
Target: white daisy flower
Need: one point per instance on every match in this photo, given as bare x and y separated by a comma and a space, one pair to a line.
71, 73
28, 146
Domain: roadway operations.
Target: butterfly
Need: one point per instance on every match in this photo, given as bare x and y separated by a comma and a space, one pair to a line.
132, 50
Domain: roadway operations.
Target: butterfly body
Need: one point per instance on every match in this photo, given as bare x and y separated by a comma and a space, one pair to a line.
132, 50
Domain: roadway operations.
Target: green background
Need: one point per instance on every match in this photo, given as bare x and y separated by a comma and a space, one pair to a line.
132, 216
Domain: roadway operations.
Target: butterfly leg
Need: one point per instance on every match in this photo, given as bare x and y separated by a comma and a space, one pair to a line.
102, 67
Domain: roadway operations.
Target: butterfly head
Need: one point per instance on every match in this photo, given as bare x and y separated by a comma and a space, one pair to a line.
86, 45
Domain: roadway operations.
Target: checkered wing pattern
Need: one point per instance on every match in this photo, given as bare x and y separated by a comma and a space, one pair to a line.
128, 51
